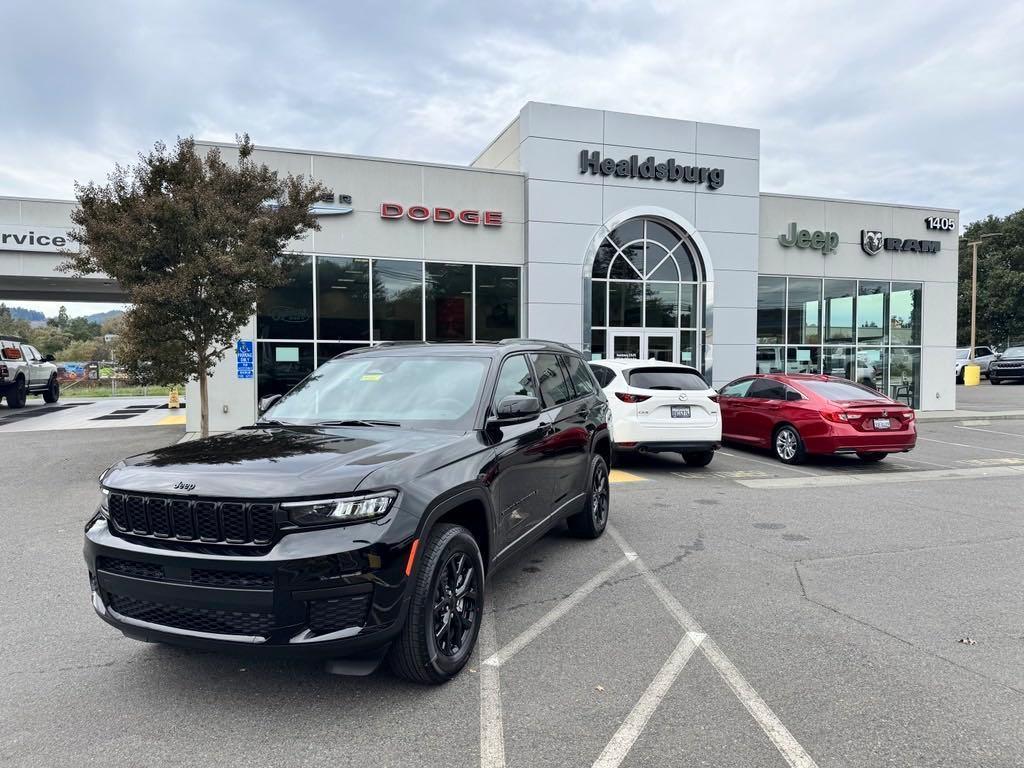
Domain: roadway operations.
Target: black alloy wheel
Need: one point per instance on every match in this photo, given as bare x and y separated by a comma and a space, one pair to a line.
52, 393
698, 458
590, 522
447, 605
16, 397
455, 605
872, 456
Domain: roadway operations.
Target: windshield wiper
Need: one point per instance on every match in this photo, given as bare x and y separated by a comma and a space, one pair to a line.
358, 423
272, 423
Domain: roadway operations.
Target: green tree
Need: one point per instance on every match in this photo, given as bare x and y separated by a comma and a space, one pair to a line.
81, 328
1000, 317
61, 320
84, 351
193, 241
10, 326
49, 339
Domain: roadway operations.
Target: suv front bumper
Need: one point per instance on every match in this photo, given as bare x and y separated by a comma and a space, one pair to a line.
318, 593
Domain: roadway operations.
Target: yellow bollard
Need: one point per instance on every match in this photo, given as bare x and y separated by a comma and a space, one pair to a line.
173, 402
972, 375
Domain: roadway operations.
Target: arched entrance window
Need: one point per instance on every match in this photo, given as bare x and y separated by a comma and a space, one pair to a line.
647, 294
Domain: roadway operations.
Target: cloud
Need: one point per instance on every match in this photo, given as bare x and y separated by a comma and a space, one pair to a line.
871, 100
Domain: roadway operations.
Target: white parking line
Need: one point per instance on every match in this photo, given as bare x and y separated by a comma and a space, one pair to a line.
993, 431
492, 734
776, 464
976, 447
549, 618
877, 478
615, 751
784, 741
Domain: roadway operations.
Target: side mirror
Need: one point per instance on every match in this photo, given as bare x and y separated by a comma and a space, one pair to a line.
516, 409
49, 359
265, 402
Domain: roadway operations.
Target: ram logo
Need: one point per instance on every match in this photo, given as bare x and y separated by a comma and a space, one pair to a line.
871, 241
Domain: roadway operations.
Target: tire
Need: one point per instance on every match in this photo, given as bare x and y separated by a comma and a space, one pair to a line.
52, 393
451, 552
17, 396
788, 446
872, 456
590, 522
993, 380
960, 378
697, 458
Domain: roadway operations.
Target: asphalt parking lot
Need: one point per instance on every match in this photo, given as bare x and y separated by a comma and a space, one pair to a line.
743, 614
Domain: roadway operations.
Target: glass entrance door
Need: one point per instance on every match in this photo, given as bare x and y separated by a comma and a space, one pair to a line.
643, 345
625, 345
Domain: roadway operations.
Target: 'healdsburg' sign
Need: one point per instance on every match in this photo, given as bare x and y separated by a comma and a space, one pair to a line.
633, 168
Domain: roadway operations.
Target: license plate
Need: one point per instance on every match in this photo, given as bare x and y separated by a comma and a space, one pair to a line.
680, 411
883, 423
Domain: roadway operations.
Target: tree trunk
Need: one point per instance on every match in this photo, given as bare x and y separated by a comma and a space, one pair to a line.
204, 406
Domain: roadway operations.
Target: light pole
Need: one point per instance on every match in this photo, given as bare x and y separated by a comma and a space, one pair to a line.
974, 286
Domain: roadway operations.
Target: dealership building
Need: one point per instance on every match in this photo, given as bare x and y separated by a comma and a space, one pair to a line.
621, 235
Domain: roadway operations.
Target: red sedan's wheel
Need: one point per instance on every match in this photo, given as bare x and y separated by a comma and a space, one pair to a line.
788, 447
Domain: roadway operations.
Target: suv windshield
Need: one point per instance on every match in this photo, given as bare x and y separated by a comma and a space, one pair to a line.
963, 354
1014, 352
842, 390
665, 378
437, 392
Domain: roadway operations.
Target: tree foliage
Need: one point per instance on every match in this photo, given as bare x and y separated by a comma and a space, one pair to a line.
1000, 318
193, 241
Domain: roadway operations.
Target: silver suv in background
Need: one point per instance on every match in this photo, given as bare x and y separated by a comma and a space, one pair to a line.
24, 372
983, 356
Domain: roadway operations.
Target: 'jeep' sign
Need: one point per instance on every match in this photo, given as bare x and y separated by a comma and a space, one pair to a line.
35, 239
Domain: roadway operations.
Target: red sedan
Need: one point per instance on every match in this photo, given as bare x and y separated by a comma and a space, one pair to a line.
801, 414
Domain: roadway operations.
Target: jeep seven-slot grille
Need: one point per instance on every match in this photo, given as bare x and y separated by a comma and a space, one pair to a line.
199, 520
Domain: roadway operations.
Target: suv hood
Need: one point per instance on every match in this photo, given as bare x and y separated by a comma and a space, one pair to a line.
276, 462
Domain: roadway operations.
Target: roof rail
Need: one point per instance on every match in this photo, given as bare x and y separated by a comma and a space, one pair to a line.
545, 342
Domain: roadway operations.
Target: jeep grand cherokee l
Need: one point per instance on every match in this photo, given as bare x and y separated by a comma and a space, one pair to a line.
361, 515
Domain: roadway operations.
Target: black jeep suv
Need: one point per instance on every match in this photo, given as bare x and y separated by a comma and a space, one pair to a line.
361, 514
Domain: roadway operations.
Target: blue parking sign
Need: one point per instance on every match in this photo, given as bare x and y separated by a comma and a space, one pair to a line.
243, 357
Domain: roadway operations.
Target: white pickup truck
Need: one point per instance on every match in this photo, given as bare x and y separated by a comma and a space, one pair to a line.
24, 372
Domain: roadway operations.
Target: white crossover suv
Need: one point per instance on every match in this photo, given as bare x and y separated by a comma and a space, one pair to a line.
658, 407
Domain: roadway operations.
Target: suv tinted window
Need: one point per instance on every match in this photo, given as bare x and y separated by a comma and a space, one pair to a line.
767, 389
579, 375
666, 378
603, 375
515, 378
553, 384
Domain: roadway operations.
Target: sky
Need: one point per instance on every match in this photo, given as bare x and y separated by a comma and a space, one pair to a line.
907, 102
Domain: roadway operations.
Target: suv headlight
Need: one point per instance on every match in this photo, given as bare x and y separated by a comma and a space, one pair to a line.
352, 509
104, 508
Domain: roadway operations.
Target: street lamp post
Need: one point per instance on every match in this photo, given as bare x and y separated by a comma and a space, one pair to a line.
974, 286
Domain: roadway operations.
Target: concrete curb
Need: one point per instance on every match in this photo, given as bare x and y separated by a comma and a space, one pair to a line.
970, 416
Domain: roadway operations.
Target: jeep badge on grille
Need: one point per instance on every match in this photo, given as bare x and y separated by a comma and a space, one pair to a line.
181, 485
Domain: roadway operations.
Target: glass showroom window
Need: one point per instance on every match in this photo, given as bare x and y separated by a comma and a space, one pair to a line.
868, 331
645, 294
330, 303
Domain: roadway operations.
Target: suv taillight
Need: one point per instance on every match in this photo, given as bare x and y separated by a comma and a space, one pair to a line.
713, 398
626, 397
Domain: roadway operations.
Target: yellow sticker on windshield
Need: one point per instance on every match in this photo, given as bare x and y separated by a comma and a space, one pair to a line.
371, 377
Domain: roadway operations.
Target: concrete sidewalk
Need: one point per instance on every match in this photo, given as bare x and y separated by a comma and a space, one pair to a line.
962, 414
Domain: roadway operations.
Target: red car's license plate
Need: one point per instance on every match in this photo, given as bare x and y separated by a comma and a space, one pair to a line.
883, 424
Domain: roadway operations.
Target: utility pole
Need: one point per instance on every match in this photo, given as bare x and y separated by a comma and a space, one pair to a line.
974, 287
